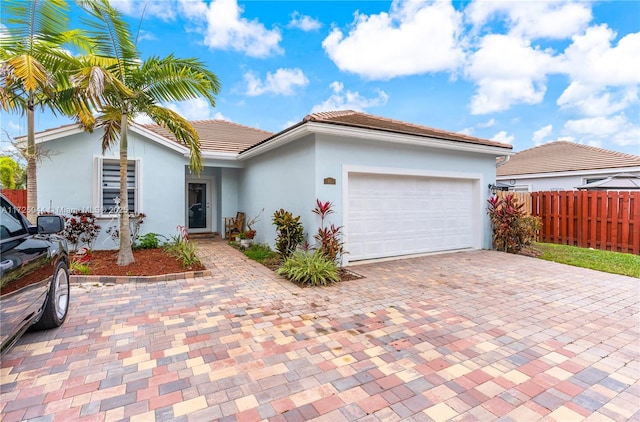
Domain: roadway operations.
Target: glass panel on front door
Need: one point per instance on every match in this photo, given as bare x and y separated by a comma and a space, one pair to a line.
197, 205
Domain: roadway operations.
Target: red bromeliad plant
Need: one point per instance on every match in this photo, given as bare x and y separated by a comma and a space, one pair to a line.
330, 238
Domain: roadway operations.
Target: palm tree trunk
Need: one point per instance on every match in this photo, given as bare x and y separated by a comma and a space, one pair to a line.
32, 179
125, 254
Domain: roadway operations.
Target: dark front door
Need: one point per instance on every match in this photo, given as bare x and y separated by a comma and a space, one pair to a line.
198, 206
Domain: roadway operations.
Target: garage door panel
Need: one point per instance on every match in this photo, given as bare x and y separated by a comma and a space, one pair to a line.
393, 215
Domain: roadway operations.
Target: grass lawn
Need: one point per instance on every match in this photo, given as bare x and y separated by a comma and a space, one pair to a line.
607, 261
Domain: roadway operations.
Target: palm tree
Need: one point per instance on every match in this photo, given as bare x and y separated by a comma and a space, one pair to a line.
34, 67
133, 86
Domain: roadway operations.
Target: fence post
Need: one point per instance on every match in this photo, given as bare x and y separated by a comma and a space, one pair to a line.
634, 222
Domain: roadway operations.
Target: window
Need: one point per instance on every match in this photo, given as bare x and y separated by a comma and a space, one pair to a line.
593, 180
109, 186
11, 223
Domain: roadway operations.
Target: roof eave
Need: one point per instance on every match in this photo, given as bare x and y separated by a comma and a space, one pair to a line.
213, 155
52, 134
141, 130
376, 135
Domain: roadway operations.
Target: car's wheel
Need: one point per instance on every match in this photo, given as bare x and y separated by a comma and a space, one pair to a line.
55, 310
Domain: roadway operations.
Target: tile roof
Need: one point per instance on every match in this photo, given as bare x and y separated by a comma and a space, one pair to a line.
219, 135
562, 156
368, 121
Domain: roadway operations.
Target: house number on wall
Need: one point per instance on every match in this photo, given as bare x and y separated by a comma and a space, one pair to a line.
329, 181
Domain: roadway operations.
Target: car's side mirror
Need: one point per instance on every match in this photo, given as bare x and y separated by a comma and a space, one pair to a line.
48, 224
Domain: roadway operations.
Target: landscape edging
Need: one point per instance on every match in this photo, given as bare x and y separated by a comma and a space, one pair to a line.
122, 279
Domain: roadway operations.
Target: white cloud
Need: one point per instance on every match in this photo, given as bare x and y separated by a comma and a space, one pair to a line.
503, 137
466, 131
224, 28
349, 100
532, 19
489, 123
282, 82
289, 123
145, 35
617, 129
597, 101
195, 109
413, 38
220, 116
303, 22
592, 60
540, 134
604, 79
508, 71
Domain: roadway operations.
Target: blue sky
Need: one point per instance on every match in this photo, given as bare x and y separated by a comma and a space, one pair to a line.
520, 72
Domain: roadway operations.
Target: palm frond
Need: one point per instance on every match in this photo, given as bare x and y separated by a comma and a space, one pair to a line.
109, 27
31, 73
172, 79
182, 130
33, 20
109, 120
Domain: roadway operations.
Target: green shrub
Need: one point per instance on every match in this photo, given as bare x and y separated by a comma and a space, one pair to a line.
259, 252
81, 229
310, 269
148, 241
183, 250
529, 226
76, 267
290, 232
512, 229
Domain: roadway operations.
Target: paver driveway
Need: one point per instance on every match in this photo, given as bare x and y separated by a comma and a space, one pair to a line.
469, 336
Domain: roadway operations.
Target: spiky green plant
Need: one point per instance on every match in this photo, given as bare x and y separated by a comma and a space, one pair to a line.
310, 269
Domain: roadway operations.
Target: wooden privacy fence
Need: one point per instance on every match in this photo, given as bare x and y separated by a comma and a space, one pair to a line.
607, 220
18, 197
521, 197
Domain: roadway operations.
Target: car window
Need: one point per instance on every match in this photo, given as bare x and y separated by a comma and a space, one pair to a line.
11, 224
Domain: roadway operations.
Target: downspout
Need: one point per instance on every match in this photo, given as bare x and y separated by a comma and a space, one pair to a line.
506, 160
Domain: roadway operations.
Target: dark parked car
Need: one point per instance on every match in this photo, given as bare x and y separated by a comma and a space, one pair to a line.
34, 274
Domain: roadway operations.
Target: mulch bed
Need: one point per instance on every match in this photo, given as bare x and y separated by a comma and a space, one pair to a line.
148, 262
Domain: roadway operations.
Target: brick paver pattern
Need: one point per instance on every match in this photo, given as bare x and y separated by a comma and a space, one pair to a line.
475, 335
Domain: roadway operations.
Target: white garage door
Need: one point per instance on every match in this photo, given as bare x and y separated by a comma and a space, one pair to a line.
391, 215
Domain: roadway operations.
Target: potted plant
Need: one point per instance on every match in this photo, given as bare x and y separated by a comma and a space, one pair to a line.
246, 238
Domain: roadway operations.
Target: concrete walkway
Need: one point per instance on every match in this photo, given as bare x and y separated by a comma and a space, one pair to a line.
467, 336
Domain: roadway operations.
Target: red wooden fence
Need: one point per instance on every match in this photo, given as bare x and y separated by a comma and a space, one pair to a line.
607, 220
18, 197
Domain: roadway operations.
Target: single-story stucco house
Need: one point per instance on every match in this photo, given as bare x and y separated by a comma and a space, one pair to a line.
397, 188
563, 165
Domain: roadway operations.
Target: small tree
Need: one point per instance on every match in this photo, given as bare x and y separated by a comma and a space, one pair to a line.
290, 232
512, 228
133, 86
34, 65
329, 238
10, 173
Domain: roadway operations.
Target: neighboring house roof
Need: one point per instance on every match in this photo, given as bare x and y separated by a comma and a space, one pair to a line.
562, 156
219, 135
622, 181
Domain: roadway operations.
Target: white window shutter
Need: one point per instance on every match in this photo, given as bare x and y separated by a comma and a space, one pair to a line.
138, 184
97, 185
